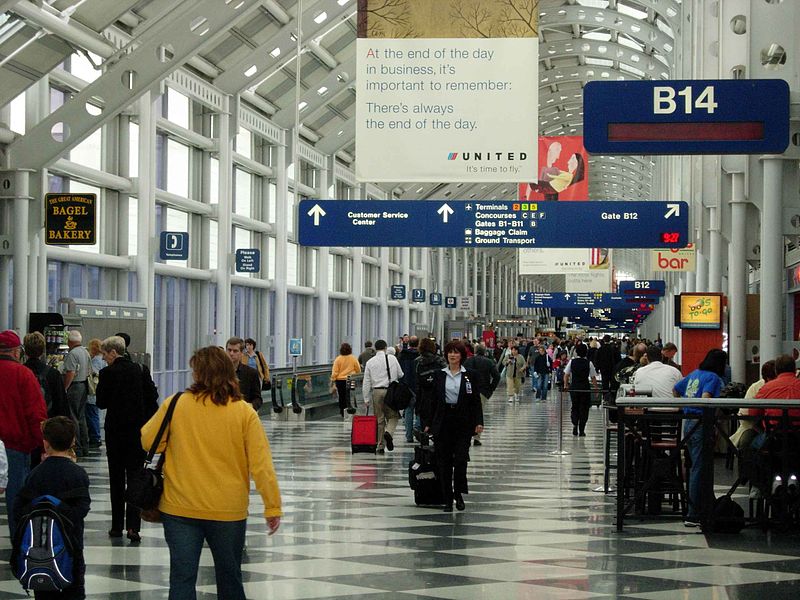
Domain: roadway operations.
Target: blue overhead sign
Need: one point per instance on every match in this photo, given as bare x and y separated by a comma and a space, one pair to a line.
643, 288
436, 299
567, 300
730, 116
418, 295
398, 292
449, 302
174, 245
493, 224
248, 260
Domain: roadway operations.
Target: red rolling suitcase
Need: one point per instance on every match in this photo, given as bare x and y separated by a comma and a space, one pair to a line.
364, 436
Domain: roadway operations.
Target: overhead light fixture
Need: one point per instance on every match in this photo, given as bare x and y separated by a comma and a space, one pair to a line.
320, 18
322, 91
302, 105
276, 52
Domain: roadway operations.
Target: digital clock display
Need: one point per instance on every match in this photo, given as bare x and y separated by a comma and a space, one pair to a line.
670, 237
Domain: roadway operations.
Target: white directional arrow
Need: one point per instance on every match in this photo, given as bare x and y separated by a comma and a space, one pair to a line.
445, 211
567, 296
316, 212
674, 210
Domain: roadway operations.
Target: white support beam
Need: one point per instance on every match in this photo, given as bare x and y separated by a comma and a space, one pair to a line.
341, 138
199, 24
320, 93
281, 48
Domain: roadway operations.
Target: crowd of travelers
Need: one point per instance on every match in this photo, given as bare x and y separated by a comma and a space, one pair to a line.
213, 434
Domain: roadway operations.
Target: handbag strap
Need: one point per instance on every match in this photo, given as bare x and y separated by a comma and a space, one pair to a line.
388, 370
164, 422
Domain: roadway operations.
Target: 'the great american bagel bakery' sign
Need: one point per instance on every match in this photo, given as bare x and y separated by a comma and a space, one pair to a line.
70, 219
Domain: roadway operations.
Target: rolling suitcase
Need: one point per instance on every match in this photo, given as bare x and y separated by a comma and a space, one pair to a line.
423, 476
364, 435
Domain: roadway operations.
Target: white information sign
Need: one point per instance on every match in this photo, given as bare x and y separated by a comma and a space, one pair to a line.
466, 303
447, 109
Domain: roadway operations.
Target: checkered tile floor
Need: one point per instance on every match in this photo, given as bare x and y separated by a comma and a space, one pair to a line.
533, 528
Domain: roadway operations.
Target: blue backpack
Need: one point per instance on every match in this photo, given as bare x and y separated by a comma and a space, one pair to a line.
42, 555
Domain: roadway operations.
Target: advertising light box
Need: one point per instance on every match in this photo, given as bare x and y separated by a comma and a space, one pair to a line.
699, 311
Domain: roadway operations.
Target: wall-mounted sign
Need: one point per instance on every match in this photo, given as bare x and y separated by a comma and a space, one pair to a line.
70, 219
436, 299
248, 260
296, 347
450, 302
418, 295
699, 311
174, 245
398, 292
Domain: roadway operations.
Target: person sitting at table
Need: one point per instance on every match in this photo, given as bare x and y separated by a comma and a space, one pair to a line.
748, 430
703, 382
785, 386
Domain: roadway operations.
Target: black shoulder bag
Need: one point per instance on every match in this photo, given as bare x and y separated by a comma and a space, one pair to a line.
146, 484
398, 394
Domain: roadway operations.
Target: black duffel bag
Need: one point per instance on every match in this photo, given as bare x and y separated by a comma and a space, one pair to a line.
398, 394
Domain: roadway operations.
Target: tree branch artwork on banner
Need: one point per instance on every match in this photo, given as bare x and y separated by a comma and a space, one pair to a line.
563, 171
446, 90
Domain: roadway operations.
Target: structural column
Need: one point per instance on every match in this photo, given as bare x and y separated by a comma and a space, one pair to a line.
224, 233
322, 292
771, 333
737, 279
145, 241
358, 287
281, 333
405, 279
714, 251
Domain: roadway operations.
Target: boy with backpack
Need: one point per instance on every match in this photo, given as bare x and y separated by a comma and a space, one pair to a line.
55, 496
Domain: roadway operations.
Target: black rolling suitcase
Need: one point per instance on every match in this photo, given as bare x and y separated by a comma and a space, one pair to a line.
423, 475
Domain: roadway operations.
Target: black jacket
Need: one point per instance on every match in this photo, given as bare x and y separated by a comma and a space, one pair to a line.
488, 374
250, 385
607, 358
55, 397
425, 368
406, 359
120, 392
468, 413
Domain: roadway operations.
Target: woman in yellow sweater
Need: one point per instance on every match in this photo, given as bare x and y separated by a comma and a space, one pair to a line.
344, 365
213, 445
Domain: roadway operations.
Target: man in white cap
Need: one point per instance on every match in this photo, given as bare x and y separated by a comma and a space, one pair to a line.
22, 411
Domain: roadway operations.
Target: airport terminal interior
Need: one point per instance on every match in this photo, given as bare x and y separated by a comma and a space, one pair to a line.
192, 130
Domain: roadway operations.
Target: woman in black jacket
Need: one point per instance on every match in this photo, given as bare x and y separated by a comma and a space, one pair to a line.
457, 417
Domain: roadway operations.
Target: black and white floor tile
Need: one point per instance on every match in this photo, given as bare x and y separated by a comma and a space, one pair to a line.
534, 528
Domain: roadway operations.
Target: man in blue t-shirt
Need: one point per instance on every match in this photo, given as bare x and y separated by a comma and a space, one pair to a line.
703, 382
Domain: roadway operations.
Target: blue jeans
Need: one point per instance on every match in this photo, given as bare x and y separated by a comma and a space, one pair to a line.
185, 538
542, 383
19, 465
694, 444
93, 422
411, 420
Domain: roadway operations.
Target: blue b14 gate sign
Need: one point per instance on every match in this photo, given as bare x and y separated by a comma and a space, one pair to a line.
493, 224
745, 116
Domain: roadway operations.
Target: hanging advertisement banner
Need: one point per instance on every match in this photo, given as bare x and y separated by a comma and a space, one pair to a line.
559, 261
589, 281
563, 171
426, 71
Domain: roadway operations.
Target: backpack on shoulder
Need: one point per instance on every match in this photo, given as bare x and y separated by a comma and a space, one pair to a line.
42, 553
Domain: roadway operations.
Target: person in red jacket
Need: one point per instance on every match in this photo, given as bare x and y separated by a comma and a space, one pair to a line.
22, 412
785, 385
